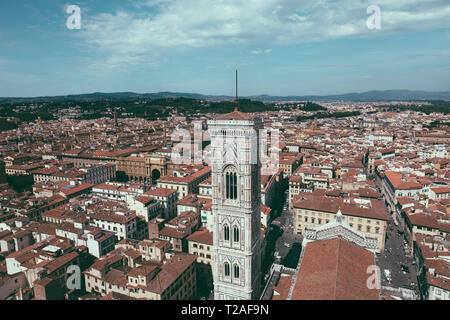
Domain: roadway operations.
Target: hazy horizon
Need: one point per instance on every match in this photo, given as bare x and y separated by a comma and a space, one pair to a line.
281, 47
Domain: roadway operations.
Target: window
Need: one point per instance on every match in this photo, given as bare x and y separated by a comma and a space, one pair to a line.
236, 234
227, 269
231, 183
226, 233
368, 229
236, 272
359, 227
377, 230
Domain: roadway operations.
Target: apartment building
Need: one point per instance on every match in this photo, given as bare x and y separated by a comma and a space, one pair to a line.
117, 191
192, 202
150, 249
185, 185
365, 216
92, 174
396, 184
167, 198
175, 279
145, 206
289, 162
45, 265
122, 223
200, 244
176, 230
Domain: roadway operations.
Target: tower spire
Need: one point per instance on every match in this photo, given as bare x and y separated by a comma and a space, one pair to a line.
339, 216
236, 101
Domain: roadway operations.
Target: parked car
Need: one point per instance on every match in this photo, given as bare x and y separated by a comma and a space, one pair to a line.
387, 274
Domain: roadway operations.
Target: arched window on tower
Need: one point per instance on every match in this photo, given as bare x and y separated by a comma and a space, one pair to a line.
226, 233
227, 269
236, 271
235, 234
231, 183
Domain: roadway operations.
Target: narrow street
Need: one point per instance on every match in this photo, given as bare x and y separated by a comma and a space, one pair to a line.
286, 223
396, 259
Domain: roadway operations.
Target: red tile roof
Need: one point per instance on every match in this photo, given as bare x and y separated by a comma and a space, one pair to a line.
334, 269
332, 205
235, 115
202, 236
160, 192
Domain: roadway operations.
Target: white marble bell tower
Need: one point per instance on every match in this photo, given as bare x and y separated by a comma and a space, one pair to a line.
236, 194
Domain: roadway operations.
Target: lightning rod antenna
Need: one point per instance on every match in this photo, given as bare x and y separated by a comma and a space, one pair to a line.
236, 101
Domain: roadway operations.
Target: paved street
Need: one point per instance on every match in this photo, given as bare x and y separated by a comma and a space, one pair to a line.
394, 257
284, 243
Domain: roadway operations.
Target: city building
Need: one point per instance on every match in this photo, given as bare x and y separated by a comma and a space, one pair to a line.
363, 215
125, 272
185, 185
236, 194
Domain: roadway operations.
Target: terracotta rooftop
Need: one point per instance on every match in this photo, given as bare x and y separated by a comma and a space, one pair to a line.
235, 115
160, 192
334, 269
202, 236
332, 205
281, 289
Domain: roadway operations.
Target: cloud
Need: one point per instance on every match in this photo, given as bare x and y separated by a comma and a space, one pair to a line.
5, 61
162, 27
261, 51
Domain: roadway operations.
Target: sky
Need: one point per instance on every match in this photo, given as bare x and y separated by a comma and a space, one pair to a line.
280, 47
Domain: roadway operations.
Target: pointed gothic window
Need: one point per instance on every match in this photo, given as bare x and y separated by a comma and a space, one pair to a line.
231, 183
226, 233
227, 269
236, 234
236, 271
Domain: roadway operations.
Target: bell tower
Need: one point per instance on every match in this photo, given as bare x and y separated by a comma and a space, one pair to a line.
236, 194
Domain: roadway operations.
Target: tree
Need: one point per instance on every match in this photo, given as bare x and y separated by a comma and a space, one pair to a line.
121, 176
20, 183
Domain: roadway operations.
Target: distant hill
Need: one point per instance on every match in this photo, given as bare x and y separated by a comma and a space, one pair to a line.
375, 95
